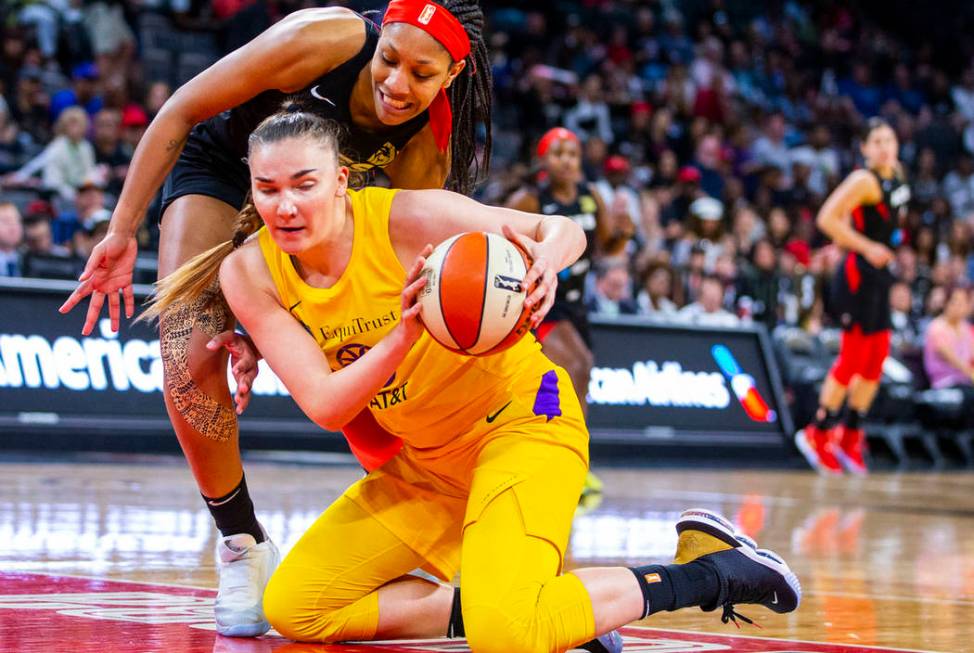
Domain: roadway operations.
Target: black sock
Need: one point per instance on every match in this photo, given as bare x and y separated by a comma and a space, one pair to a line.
853, 419
826, 419
455, 629
234, 512
671, 587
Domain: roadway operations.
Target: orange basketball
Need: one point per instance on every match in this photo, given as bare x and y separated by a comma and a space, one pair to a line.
473, 301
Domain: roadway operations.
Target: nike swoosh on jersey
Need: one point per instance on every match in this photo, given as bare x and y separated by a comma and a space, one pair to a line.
491, 418
315, 94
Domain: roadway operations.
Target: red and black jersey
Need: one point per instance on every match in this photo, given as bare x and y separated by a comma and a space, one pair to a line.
880, 222
860, 291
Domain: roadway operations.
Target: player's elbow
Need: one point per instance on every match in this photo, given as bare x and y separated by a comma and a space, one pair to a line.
327, 417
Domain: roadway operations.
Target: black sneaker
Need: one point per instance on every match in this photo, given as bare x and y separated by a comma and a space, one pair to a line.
747, 574
611, 642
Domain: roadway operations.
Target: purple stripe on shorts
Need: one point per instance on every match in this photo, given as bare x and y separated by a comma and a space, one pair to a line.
547, 402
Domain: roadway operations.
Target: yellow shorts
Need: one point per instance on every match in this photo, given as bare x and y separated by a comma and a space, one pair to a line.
427, 499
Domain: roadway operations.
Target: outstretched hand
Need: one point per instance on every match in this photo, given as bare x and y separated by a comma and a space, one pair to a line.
108, 271
243, 363
541, 281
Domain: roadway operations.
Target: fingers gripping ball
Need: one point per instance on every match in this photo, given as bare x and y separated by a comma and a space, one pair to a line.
473, 301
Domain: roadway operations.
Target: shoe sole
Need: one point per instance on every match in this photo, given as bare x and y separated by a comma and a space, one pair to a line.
711, 523
849, 465
811, 456
244, 630
718, 526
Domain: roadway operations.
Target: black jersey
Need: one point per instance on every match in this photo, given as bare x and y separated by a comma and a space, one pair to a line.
328, 96
861, 291
571, 281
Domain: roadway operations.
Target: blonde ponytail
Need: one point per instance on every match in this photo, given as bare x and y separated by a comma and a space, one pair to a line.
198, 277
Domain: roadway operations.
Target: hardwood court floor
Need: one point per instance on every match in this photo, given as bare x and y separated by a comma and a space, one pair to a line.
885, 561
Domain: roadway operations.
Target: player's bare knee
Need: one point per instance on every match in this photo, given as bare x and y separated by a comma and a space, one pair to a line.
192, 374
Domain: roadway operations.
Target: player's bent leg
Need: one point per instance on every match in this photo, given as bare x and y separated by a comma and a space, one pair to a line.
200, 408
197, 395
327, 588
513, 546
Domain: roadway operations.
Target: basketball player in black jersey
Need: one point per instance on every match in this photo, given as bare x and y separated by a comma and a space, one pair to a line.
564, 333
862, 215
410, 96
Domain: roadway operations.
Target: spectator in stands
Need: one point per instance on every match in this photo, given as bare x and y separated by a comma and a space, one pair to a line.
958, 186
112, 39
16, 145
590, 115
89, 201
621, 199
709, 310
655, 298
906, 328
746, 228
770, 149
83, 92
155, 97
613, 289
760, 285
30, 103
11, 234
705, 231
69, 160
134, 123
110, 155
948, 349
707, 160
41, 257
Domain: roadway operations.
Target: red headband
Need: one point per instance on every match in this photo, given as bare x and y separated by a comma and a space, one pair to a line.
443, 26
552, 135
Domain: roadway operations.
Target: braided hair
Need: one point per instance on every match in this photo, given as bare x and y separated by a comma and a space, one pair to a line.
470, 99
197, 278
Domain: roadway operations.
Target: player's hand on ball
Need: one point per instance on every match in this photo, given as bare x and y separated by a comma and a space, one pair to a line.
541, 279
243, 363
412, 326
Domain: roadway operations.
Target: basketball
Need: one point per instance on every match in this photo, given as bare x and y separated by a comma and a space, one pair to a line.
473, 301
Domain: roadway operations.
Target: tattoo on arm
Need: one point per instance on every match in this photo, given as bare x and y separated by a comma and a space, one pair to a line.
175, 145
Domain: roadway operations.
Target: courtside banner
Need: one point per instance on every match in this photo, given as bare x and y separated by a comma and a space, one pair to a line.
654, 380
651, 381
53, 378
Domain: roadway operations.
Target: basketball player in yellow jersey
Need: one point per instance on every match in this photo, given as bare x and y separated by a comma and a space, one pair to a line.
495, 448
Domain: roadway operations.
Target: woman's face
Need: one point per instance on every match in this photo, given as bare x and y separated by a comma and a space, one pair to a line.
880, 148
295, 183
409, 68
563, 161
659, 283
75, 127
958, 305
778, 223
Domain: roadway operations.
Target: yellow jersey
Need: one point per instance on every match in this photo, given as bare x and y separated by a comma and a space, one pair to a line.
435, 396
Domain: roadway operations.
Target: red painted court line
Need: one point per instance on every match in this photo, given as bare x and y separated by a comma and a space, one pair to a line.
40, 612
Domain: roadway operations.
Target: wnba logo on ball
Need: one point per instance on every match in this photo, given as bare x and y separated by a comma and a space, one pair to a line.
507, 283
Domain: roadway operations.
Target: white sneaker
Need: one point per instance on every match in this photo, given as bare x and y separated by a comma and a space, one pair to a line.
244, 567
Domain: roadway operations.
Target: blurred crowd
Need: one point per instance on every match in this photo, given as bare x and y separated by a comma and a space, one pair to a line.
717, 129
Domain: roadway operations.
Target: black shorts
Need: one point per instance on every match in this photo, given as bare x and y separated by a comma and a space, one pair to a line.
205, 168
575, 313
860, 296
